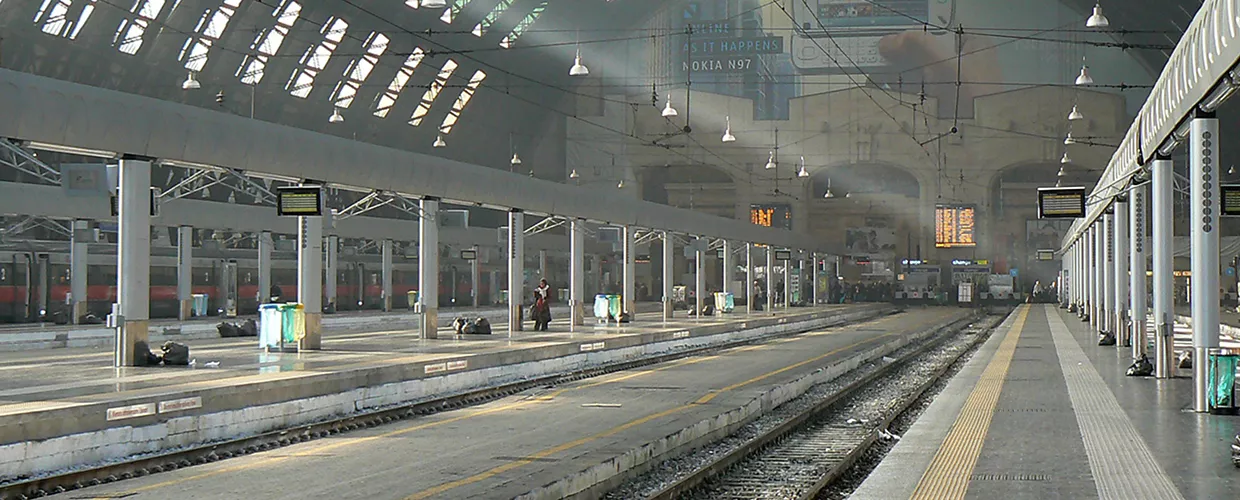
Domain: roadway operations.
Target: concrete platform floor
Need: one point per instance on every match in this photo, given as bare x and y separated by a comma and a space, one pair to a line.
511, 446
1043, 412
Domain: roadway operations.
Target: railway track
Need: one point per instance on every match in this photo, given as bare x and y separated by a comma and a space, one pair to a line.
139, 466
817, 441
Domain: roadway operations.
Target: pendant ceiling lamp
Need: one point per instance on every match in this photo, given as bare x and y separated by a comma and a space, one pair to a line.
1097, 20
727, 131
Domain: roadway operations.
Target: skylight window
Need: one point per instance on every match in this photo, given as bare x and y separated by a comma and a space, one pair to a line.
525, 24
482, 27
317, 57
451, 12
359, 69
268, 42
58, 20
388, 98
457, 107
128, 37
209, 30
432, 93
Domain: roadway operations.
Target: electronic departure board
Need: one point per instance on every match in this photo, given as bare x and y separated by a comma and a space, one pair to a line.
299, 201
1046, 254
1061, 202
771, 215
1230, 194
953, 226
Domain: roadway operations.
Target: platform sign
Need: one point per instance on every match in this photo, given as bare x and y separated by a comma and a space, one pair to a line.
783, 255
1061, 203
299, 201
1230, 194
1044, 254
469, 254
953, 225
114, 202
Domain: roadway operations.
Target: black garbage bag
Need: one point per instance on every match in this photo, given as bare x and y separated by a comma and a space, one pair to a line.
625, 318
1141, 367
481, 327
228, 330
143, 355
1106, 338
175, 354
1186, 360
249, 328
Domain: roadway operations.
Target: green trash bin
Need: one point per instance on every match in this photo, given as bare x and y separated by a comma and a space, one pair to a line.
1222, 380
615, 306
412, 297
293, 322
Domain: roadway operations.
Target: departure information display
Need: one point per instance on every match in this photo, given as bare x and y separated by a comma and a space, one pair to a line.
1230, 193
953, 226
1061, 202
771, 215
299, 201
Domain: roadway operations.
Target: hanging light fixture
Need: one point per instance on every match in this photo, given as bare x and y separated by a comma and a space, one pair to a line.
578, 69
1065, 160
439, 142
770, 162
190, 83
802, 173
574, 174
1084, 78
1062, 174
1097, 20
434, 4
336, 116
669, 111
1057, 184
727, 131
1075, 114
1232, 170
620, 185
828, 193
516, 160
1068, 141
848, 194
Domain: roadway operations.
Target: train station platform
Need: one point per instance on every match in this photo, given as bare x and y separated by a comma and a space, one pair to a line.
29, 336
1041, 411
70, 407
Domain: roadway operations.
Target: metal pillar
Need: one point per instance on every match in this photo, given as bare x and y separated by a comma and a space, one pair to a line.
1108, 275
428, 268
577, 273
185, 271
386, 275
1119, 290
749, 298
1098, 314
333, 271
543, 271
475, 277
1136, 261
310, 278
813, 275
516, 268
1164, 353
699, 272
265, 244
133, 309
78, 264
788, 284
669, 265
1203, 158
770, 279
728, 267
629, 289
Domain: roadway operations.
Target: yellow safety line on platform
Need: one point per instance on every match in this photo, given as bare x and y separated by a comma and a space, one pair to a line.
628, 425
328, 445
947, 477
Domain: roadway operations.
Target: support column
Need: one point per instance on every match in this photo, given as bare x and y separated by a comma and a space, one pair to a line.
543, 271
78, 264
265, 244
669, 278
1119, 244
428, 268
516, 268
749, 298
386, 275
629, 282
788, 283
699, 279
1203, 158
577, 273
1098, 314
1164, 320
770, 279
133, 261
475, 277
310, 278
728, 265
185, 271
1136, 261
332, 274
813, 275
1108, 275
